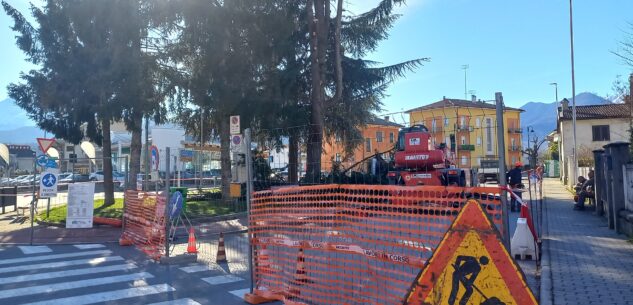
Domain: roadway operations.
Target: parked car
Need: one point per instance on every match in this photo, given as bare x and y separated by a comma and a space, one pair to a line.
152, 185
72, 178
99, 176
96, 176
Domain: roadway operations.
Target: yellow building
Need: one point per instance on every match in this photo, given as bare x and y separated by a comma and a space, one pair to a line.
469, 128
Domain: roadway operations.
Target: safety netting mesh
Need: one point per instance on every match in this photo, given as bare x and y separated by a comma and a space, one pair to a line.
144, 222
352, 244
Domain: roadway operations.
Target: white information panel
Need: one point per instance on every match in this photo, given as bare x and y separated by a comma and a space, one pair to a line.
80, 205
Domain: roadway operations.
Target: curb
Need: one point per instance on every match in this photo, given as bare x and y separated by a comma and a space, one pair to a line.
545, 291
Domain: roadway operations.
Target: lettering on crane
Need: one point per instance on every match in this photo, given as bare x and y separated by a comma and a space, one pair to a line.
416, 157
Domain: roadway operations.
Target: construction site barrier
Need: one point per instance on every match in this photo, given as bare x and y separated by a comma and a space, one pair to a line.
144, 222
351, 244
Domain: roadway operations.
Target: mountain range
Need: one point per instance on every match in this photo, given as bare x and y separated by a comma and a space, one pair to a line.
17, 128
542, 116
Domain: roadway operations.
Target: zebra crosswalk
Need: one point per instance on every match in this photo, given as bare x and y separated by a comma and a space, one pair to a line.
94, 273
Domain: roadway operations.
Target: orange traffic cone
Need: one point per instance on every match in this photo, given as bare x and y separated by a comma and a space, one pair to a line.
191, 247
221, 256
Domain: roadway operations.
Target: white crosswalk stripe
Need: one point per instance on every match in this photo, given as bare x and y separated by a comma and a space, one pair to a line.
222, 279
35, 249
178, 302
10, 293
240, 293
51, 265
65, 273
29, 259
201, 268
109, 296
86, 274
88, 246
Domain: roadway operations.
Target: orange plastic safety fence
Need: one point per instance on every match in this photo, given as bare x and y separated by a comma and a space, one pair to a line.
350, 244
144, 222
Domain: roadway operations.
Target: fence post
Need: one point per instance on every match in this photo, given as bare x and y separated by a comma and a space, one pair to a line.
167, 220
249, 190
501, 151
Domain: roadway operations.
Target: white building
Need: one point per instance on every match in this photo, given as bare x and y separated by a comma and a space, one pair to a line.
596, 126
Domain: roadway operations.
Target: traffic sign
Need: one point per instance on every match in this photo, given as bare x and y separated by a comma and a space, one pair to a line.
45, 144
155, 157
471, 266
42, 160
237, 143
235, 124
48, 183
175, 204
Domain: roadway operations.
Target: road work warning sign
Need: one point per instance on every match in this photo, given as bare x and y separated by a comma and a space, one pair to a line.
471, 266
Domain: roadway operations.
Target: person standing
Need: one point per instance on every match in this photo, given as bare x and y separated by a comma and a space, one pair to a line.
514, 181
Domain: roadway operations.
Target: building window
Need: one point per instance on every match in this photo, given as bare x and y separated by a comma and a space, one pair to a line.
600, 133
433, 125
478, 122
446, 121
488, 135
478, 141
514, 160
368, 145
271, 159
391, 137
447, 141
463, 140
462, 122
513, 144
70, 148
337, 158
464, 160
379, 136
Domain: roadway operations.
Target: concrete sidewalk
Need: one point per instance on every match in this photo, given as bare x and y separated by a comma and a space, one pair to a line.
589, 264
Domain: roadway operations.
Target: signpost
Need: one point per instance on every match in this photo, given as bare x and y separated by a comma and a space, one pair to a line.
48, 183
80, 205
45, 144
235, 124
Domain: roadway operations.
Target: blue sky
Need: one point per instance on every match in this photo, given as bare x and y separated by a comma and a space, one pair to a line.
516, 47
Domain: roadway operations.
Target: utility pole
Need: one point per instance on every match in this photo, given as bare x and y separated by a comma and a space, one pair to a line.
573, 89
465, 68
501, 151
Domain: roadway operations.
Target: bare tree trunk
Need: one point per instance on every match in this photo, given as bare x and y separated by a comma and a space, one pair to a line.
338, 53
108, 185
316, 20
293, 158
225, 157
135, 151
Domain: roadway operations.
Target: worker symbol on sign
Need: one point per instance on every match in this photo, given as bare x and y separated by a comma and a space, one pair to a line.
467, 269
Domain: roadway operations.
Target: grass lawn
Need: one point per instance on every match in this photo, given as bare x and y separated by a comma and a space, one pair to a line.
208, 208
58, 214
194, 209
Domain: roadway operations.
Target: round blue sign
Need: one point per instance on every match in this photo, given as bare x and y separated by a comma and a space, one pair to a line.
175, 204
42, 160
49, 180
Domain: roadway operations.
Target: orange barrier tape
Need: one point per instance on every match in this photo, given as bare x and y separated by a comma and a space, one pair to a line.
348, 244
144, 222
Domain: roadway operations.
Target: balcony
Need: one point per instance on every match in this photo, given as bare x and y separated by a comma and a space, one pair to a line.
464, 128
514, 148
466, 147
515, 130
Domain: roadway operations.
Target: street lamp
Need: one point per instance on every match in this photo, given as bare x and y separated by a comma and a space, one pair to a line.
573, 88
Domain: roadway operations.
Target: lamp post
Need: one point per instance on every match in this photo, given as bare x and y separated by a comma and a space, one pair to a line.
573, 88
465, 68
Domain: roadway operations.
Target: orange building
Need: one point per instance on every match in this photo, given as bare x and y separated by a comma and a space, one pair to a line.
380, 135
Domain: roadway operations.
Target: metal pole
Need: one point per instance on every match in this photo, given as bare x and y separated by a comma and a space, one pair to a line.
249, 190
502, 169
573, 88
127, 176
465, 67
146, 178
33, 201
167, 220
